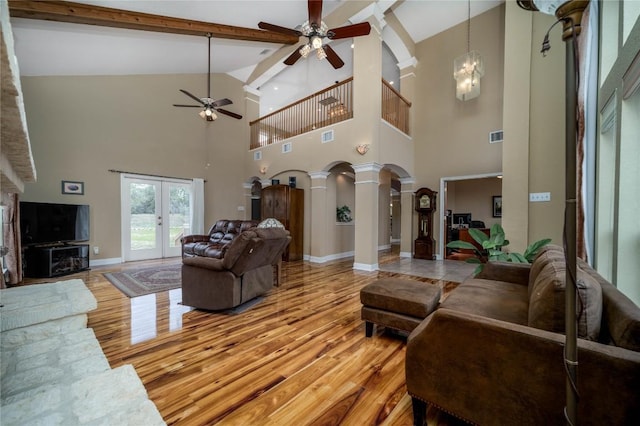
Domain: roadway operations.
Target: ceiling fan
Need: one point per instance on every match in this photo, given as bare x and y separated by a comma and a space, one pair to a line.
210, 106
316, 30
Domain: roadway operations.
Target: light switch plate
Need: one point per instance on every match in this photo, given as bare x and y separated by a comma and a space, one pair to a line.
536, 197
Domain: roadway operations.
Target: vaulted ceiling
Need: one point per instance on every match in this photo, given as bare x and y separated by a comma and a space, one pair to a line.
62, 48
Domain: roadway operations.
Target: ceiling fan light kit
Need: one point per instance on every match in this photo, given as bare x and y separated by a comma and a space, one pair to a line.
209, 105
316, 31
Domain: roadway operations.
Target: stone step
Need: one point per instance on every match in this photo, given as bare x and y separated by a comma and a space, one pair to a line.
113, 397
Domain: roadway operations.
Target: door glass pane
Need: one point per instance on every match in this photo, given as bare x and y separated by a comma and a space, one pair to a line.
179, 197
143, 212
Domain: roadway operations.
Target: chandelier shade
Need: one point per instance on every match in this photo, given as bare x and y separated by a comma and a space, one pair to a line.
468, 68
467, 71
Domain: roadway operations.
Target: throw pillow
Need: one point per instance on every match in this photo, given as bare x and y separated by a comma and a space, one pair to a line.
547, 254
270, 223
547, 302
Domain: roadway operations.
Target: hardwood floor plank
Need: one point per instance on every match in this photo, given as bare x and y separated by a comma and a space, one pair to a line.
299, 356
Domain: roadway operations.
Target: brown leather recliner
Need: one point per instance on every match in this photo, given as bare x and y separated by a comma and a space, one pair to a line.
244, 272
215, 242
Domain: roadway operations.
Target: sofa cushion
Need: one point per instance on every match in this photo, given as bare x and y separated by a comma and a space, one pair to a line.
499, 300
547, 302
236, 248
546, 254
620, 316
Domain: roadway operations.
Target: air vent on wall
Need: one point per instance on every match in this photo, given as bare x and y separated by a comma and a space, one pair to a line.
286, 147
327, 136
495, 137
257, 155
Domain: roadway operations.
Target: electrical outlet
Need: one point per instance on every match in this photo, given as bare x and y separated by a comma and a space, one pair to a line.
536, 197
96, 250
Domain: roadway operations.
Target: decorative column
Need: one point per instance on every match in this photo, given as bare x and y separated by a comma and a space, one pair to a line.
319, 217
247, 186
366, 216
406, 231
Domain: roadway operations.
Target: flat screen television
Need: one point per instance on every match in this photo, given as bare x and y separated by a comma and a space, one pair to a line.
49, 223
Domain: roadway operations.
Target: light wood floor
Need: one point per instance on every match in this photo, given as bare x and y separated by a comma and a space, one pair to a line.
299, 357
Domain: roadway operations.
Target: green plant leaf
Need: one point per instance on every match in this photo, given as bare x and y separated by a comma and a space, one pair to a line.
461, 245
502, 257
473, 260
478, 269
531, 251
517, 258
478, 235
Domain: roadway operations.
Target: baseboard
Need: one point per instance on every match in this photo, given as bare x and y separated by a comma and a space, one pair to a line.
366, 266
406, 254
328, 258
384, 247
103, 262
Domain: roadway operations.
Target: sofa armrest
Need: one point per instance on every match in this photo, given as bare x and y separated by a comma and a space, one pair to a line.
204, 262
194, 238
517, 273
491, 372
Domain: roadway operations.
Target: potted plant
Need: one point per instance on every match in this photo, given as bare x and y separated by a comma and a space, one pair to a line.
343, 214
492, 248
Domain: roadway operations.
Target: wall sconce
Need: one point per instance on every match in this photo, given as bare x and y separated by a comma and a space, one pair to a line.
363, 148
468, 68
263, 170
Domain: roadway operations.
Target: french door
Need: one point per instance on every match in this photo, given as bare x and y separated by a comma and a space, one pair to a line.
155, 215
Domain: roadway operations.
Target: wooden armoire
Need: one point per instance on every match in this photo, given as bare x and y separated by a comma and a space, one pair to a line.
286, 204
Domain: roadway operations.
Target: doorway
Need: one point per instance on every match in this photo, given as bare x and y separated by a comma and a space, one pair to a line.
155, 216
478, 212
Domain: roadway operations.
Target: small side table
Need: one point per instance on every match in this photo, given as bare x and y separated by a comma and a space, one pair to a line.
397, 303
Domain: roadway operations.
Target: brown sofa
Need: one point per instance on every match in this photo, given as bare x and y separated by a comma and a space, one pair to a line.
244, 272
492, 353
214, 243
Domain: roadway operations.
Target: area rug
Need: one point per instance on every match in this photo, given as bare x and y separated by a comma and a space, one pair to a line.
138, 282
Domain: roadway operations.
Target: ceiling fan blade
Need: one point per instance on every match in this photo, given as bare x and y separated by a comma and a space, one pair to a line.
229, 113
293, 58
188, 106
354, 30
221, 102
333, 57
192, 96
315, 12
278, 29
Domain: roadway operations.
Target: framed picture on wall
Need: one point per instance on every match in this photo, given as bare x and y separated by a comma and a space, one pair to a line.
76, 188
497, 205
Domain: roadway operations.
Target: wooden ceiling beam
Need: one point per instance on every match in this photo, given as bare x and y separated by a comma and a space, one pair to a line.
79, 13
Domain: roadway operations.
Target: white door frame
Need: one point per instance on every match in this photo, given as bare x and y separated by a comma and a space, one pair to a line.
441, 204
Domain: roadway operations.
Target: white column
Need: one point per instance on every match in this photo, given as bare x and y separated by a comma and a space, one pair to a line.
366, 216
406, 231
318, 216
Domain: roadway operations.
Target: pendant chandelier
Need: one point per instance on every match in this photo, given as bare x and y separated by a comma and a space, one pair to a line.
468, 68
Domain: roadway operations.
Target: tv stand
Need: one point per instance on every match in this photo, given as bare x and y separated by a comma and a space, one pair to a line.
48, 261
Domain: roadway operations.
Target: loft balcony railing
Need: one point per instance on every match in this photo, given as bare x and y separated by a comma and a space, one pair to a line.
328, 106
395, 108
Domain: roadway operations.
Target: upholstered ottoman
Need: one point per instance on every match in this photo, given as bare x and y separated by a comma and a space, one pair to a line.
397, 303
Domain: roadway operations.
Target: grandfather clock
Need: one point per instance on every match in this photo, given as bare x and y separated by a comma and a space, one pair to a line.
424, 246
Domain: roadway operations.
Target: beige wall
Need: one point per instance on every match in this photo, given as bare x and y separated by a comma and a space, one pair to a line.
452, 137
80, 127
534, 118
